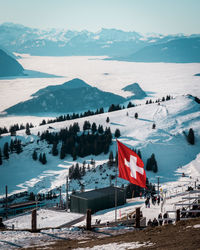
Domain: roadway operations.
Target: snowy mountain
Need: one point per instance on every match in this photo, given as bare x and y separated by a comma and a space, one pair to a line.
55, 42
167, 141
9, 66
72, 96
184, 50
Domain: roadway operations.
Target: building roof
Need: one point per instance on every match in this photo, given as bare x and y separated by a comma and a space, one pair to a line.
97, 193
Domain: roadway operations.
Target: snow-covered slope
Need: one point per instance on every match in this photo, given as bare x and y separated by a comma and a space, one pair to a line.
166, 141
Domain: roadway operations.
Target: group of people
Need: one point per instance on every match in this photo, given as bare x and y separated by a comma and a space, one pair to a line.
188, 214
154, 200
159, 222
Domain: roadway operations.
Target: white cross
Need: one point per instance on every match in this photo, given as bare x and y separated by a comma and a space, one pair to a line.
133, 166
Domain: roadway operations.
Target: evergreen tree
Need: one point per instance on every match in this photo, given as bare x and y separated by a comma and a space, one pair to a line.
152, 164
40, 157
136, 115
6, 151
107, 119
153, 126
74, 155
77, 174
139, 154
111, 159
116, 159
94, 127
11, 145
18, 147
62, 152
54, 149
117, 133
190, 137
34, 155
1, 162
100, 129
28, 132
44, 160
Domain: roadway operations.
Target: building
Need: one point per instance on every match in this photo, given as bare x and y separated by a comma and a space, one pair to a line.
97, 199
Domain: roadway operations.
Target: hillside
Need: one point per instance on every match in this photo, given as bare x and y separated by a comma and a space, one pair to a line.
66, 98
136, 90
185, 50
9, 66
167, 141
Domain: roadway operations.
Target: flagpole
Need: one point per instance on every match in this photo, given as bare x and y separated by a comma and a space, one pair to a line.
116, 185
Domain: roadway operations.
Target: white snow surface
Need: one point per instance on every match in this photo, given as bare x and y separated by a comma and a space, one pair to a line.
45, 218
167, 142
118, 246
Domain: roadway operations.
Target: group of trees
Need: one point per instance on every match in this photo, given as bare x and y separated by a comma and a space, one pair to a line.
113, 107
14, 146
13, 128
151, 164
163, 99
76, 172
42, 157
73, 116
93, 141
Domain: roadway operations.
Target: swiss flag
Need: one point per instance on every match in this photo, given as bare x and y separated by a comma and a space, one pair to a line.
131, 167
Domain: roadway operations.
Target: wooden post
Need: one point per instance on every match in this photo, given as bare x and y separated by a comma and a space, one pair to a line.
34, 221
137, 217
67, 196
177, 215
88, 219
6, 202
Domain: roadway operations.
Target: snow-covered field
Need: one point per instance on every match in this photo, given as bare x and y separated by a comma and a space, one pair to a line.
167, 142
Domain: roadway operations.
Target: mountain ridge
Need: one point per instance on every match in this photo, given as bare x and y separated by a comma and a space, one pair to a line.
64, 98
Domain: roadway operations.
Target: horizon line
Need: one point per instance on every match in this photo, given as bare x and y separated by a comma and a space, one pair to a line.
100, 29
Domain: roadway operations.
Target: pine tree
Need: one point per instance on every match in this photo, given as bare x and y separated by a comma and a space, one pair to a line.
117, 133
136, 115
11, 145
28, 132
54, 149
62, 152
107, 119
18, 147
1, 162
139, 154
94, 127
40, 157
44, 160
116, 159
6, 150
190, 137
152, 164
100, 129
111, 159
34, 155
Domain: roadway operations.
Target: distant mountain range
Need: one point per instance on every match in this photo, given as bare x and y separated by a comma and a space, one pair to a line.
54, 42
184, 50
72, 96
9, 66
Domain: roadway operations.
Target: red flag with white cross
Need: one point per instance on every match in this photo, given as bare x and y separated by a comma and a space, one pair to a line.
131, 167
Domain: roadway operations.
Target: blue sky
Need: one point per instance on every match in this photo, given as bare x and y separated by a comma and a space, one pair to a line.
159, 16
